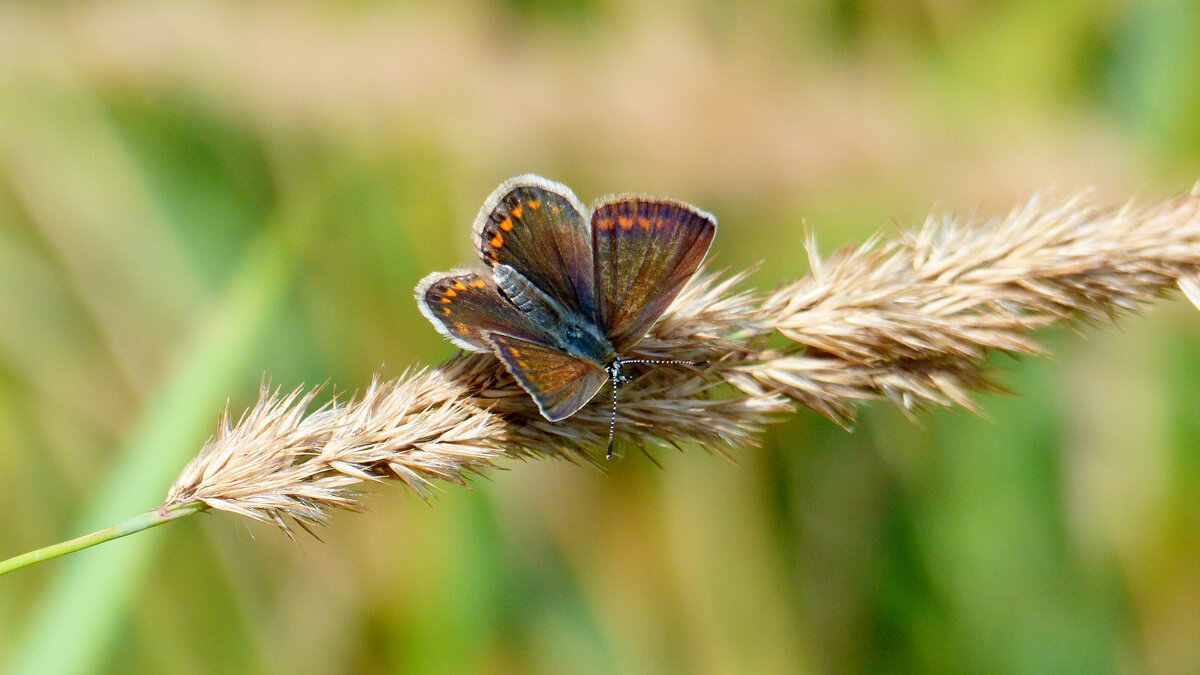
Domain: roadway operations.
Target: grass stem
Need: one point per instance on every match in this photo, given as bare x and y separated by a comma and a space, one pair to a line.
145, 521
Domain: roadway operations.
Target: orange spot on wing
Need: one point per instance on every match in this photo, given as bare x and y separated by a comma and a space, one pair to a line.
515, 352
533, 204
497, 241
451, 292
604, 223
625, 222
459, 286
445, 301
506, 224
461, 327
445, 310
522, 364
516, 211
644, 222
478, 283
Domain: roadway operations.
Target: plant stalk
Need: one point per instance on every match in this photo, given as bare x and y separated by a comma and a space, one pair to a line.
145, 521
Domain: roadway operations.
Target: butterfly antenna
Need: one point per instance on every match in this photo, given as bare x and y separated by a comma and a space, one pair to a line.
612, 424
617, 377
677, 362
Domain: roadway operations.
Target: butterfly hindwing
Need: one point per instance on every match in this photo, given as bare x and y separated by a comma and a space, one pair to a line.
645, 250
538, 227
560, 384
463, 304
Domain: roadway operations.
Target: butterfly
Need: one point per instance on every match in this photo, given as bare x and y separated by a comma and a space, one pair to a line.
568, 289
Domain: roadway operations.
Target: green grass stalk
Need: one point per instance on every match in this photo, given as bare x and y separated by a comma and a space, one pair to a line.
145, 521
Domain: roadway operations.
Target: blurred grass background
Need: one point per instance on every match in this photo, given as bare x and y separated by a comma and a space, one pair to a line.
195, 194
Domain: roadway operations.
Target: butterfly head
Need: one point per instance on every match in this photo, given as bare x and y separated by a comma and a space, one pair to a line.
616, 374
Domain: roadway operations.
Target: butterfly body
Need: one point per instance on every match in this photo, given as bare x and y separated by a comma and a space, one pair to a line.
571, 332
568, 289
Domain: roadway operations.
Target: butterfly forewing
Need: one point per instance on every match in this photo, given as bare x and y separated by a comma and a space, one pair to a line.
559, 384
538, 227
645, 250
463, 304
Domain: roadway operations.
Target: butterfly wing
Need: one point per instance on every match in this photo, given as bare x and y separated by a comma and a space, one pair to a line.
560, 384
538, 227
463, 305
645, 250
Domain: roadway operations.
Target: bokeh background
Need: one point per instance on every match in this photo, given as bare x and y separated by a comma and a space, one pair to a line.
195, 195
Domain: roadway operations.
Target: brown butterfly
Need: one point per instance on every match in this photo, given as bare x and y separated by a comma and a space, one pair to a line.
569, 289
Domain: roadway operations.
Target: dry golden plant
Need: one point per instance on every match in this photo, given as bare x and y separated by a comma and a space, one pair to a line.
911, 319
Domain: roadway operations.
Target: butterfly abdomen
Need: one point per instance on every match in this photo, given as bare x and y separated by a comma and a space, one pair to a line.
528, 298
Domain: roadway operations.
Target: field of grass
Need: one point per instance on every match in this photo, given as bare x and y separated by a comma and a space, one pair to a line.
195, 196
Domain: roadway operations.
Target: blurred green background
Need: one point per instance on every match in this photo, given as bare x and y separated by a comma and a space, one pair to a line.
193, 195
